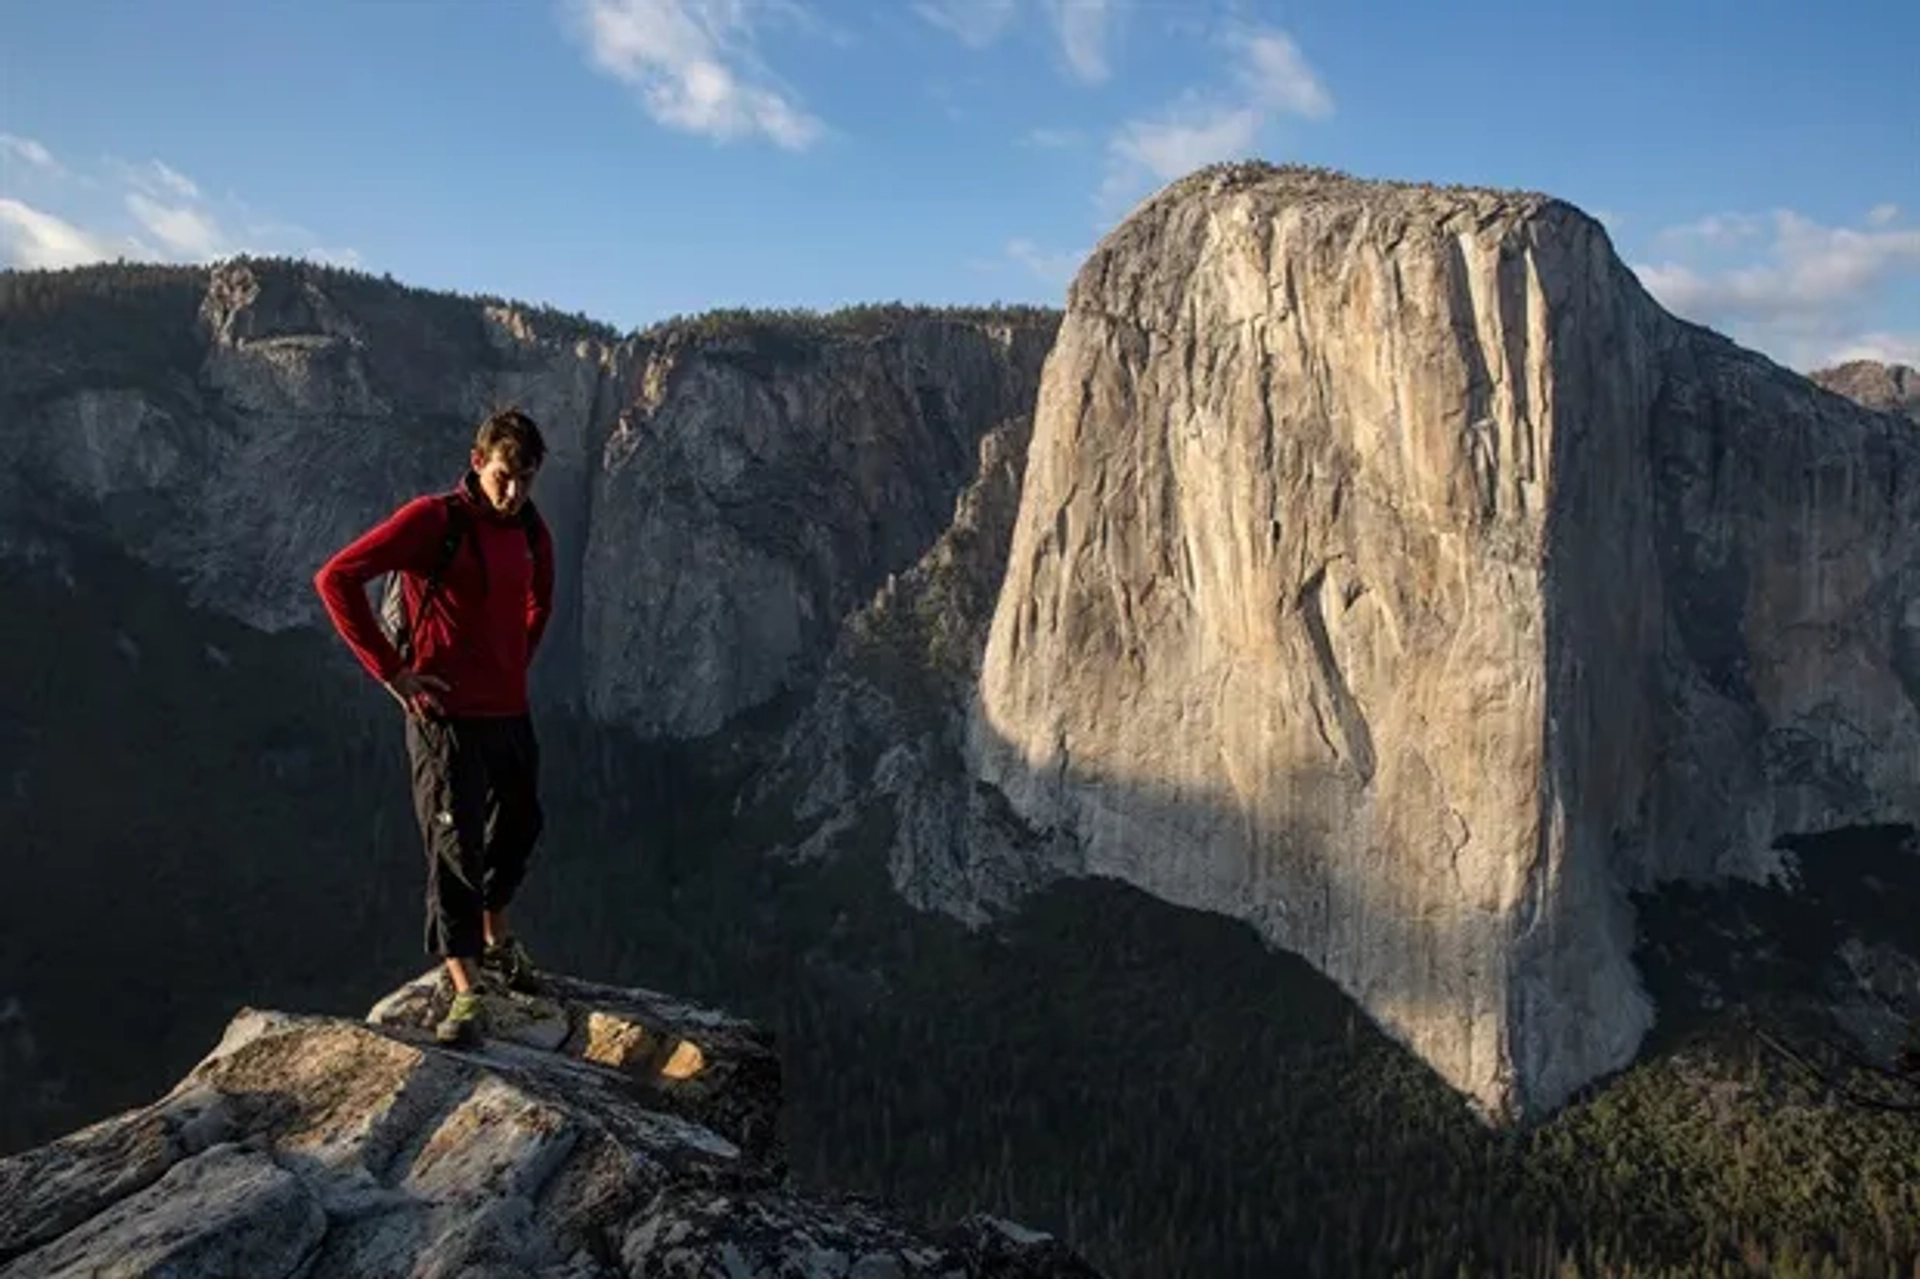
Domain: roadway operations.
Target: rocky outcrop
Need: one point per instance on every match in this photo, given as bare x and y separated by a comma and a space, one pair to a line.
1393, 573
597, 1132
1891, 388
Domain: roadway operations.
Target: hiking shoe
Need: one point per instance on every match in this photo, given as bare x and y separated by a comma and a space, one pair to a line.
508, 960
461, 1025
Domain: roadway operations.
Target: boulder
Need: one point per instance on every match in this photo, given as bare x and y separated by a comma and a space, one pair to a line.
594, 1131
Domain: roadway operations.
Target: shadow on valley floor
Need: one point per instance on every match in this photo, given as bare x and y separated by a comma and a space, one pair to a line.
201, 816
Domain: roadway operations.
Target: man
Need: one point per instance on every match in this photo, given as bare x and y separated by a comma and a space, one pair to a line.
460, 672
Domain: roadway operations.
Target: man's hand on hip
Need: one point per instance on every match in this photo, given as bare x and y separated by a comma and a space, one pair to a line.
416, 692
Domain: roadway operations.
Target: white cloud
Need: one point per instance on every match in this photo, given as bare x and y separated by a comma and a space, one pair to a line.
1801, 291
695, 66
1883, 214
37, 240
1716, 229
977, 23
176, 182
1887, 348
1083, 27
186, 231
1806, 269
1052, 139
28, 151
155, 179
1278, 77
160, 214
1053, 269
1271, 78
1190, 134
268, 231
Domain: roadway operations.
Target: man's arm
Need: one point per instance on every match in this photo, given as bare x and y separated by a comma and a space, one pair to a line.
540, 590
407, 539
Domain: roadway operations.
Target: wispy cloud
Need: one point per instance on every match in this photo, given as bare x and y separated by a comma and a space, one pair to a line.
1026, 258
1045, 266
1806, 268
178, 183
1269, 78
1082, 30
696, 66
1276, 76
158, 213
27, 151
40, 241
976, 23
1797, 289
185, 230
1052, 139
1715, 229
1887, 348
1192, 132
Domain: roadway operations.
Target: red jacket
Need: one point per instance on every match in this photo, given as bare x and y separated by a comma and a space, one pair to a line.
487, 617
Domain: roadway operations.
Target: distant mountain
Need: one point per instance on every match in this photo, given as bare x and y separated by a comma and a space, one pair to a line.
1892, 387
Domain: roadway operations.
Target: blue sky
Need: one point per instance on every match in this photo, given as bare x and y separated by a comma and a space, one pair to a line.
1757, 162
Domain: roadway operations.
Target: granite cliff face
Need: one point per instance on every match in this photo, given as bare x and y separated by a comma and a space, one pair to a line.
723, 497
1393, 573
598, 1132
750, 497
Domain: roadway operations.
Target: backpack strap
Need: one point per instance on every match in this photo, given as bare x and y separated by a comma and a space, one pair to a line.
456, 532
530, 522
450, 539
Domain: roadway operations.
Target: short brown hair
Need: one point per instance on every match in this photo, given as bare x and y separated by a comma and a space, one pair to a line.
514, 431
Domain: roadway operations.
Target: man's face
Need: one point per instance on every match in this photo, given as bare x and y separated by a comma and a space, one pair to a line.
504, 483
